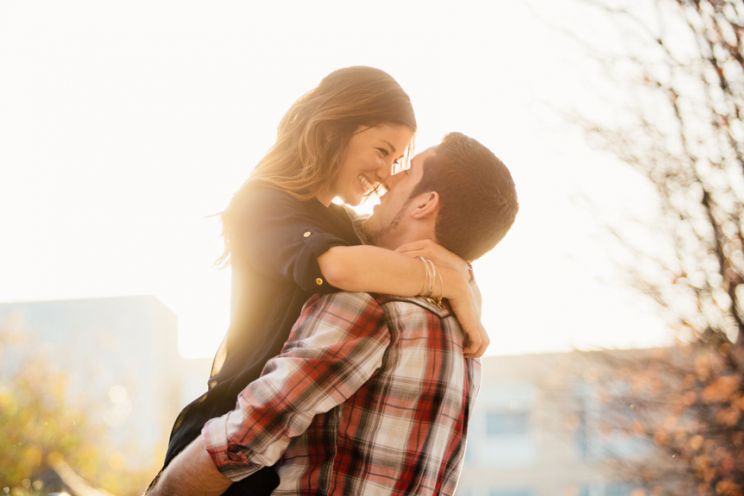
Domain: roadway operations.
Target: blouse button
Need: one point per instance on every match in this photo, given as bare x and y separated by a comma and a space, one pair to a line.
318, 281
307, 234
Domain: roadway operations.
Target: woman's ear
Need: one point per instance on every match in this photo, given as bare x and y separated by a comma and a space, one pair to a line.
425, 204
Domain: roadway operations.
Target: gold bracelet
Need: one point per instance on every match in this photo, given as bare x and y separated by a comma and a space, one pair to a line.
430, 289
441, 290
434, 274
437, 300
423, 287
426, 289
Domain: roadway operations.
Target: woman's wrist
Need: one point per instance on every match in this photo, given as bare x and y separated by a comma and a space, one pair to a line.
433, 285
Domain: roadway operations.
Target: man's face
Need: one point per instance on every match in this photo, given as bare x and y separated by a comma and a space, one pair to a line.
389, 217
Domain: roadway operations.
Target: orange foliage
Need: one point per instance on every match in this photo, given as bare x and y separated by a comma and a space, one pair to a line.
721, 389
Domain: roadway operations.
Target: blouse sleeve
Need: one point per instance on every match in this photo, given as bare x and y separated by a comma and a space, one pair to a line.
280, 236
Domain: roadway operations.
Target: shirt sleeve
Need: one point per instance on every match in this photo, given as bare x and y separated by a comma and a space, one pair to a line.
474, 373
336, 345
280, 236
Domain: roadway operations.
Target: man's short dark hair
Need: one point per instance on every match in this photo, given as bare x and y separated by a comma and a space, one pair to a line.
477, 195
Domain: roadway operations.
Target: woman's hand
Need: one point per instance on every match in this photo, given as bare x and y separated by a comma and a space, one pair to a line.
459, 288
467, 310
437, 253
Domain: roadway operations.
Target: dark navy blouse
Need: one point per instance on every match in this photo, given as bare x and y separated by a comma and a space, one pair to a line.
274, 261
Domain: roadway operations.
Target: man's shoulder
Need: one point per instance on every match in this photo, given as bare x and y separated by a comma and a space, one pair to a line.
341, 313
421, 323
381, 302
346, 298
343, 302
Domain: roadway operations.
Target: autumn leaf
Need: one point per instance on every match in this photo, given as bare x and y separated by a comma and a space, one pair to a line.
721, 389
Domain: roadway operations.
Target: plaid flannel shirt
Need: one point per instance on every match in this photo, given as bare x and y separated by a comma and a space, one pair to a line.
368, 396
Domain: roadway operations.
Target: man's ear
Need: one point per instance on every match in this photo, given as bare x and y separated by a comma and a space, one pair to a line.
425, 204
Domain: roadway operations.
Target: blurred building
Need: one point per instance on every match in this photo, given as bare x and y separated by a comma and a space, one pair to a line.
535, 431
121, 359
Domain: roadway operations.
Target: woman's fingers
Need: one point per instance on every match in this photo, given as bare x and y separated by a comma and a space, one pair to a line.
415, 245
476, 343
429, 248
417, 250
436, 253
475, 338
417, 253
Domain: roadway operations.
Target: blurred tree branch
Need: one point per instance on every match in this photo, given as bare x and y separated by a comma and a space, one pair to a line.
686, 136
682, 76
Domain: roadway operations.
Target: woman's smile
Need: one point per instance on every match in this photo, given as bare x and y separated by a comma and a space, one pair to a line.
367, 186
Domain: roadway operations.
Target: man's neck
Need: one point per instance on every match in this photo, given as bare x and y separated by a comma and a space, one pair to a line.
410, 236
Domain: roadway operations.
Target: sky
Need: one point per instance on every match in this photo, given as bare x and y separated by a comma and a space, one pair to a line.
125, 127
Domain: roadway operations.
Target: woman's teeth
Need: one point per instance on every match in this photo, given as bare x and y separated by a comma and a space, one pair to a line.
366, 185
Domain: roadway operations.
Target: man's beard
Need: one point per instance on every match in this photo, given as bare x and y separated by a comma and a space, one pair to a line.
377, 235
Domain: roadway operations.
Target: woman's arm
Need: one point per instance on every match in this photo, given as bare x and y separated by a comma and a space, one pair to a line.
378, 270
372, 269
279, 235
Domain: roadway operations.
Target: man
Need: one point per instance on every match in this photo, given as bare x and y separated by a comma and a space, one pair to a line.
370, 394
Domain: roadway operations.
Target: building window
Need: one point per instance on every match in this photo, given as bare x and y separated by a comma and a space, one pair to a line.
504, 428
619, 489
507, 423
511, 492
613, 489
587, 490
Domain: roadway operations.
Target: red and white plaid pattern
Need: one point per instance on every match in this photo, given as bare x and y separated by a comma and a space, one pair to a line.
369, 396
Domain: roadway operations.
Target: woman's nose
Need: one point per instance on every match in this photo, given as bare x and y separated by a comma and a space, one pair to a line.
384, 170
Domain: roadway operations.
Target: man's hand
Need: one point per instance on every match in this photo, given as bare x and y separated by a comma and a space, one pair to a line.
192, 472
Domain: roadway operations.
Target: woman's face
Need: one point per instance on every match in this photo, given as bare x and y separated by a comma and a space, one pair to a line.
368, 161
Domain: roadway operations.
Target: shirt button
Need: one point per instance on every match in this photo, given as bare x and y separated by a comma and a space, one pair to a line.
318, 281
307, 234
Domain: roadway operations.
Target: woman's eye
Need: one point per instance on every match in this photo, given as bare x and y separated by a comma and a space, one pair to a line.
382, 152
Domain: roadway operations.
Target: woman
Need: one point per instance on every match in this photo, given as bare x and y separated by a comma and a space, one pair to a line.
286, 240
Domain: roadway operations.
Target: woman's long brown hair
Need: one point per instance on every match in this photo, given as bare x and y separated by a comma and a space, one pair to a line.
313, 135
